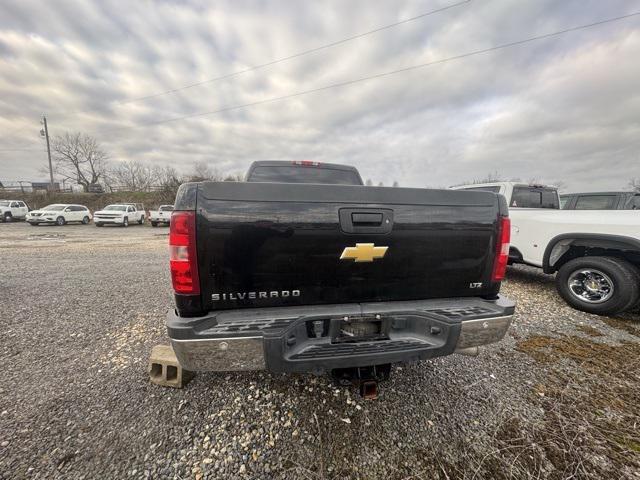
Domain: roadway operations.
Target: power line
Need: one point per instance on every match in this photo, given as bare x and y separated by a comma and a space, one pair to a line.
380, 75
283, 59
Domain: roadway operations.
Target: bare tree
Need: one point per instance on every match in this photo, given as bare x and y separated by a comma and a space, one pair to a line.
634, 184
234, 177
489, 178
169, 179
135, 175
534, 181
202, 172
79, 157
559, 184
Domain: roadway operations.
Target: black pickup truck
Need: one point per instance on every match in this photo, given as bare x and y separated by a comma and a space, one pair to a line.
301, 268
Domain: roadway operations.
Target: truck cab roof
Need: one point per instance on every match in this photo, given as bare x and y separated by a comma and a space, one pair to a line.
625, 193
506, 184
520, 194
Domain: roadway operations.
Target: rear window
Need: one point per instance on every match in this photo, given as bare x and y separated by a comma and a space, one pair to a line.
596, 202
528, 197
634, 204
298, 174
494, 189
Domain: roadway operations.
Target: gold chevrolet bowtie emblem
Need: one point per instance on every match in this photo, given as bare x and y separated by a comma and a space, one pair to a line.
363, 252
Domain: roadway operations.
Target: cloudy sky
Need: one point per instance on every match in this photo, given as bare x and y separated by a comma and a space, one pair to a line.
565, 108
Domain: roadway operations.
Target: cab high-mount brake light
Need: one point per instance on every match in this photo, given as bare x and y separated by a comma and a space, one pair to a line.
184, 259
502, 249
306, 163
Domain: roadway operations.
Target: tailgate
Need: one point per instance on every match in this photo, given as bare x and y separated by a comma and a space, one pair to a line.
266, 244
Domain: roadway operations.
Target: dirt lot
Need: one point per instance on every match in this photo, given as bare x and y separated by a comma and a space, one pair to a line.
82, 307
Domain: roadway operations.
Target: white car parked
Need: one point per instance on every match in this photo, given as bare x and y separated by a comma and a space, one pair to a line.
596, 253
60, 214
162, 215
118, 214
12, 210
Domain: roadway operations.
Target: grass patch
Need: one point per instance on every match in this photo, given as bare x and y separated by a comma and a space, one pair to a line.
625, 325
591, 427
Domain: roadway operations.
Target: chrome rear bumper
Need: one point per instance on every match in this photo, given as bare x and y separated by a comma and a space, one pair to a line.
221, 354
284, 347
483, 331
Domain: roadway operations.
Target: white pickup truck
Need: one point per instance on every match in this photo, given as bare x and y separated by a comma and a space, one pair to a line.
119, 214
13, 210
596, 253
161, 216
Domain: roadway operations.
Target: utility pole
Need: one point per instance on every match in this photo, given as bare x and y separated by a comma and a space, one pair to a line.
45, 133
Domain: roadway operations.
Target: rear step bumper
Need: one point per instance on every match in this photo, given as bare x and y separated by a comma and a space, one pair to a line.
324, 337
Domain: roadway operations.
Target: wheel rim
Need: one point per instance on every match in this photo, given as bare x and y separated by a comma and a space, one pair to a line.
60, 221
590, 285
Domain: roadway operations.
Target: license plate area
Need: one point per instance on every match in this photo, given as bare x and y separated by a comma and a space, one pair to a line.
359, 329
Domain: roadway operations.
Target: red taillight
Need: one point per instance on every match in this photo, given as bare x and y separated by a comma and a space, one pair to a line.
502, 249
183, 257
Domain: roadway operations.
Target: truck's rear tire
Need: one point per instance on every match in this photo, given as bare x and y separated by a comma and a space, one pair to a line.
141, 221
599, 285
125, 222
636, 306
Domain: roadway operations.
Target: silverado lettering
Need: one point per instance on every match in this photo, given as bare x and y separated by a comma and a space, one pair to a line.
216, 297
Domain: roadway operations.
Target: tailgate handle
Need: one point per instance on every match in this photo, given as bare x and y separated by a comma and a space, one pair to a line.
368, 219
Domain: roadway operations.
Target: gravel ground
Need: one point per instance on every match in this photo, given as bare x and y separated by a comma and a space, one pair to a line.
82, 307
